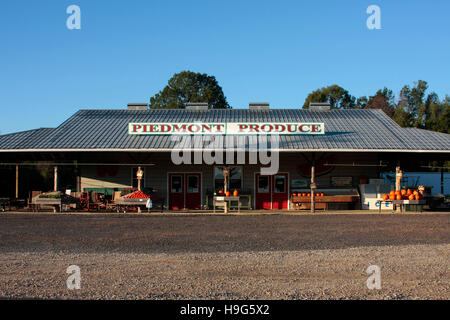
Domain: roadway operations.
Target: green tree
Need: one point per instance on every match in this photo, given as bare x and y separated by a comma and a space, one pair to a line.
188, 86
336, 96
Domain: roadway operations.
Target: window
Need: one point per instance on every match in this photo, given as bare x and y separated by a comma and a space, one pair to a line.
234, 179
134, 180
263, 184
176, 184
192, 186
280, 184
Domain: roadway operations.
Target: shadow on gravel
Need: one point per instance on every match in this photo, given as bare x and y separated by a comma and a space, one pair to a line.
200, 233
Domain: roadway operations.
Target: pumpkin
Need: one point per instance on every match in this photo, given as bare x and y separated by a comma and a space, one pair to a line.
392, 197
385, 197
309, 195
317, 194
235, 193
403, 192
411, 197
415, 192
392, 192
322, 194
417, 196
228, 193
408, 192
304, 194
398, 197
220, 192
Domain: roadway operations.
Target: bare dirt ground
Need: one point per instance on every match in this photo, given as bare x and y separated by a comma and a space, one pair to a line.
287, 256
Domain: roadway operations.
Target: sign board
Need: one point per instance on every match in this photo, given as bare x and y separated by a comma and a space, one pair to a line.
341, 181
235, 128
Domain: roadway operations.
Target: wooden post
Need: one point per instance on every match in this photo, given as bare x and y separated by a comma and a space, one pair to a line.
313, 185
398, 183
442, 180
55, 178
225, 187
17, 182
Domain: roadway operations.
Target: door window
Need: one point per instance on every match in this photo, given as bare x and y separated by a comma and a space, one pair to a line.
192, 184
280, 184
263, 184
176, 184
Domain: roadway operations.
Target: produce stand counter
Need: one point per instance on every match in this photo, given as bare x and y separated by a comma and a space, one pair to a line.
56, 203
221, 200
418, 204
349, 197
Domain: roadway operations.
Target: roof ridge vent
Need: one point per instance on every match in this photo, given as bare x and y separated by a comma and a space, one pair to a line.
258, 106
319, 106
197, 106
138, 106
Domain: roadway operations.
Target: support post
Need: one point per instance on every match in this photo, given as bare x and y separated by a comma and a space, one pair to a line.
17, 182
55, 178
442, 180
398, 183
313, 185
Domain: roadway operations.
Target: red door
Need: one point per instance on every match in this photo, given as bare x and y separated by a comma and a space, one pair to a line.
280, 195
176, 191
193, 191
185, 191
271, 192
263, 192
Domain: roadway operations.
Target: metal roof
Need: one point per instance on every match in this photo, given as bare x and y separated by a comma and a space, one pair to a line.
346, 130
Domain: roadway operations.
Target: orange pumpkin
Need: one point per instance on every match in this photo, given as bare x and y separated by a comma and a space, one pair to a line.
408, 192
220, 192
309, 195
392, 192
228, 193
411, 197
304, 194
235, 193
415, 192
398, 197
392, 197
417, 196
322, 194
403, 192
385, 197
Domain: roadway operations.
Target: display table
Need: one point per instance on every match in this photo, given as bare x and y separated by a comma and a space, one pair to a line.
402, 203
322, 202
222, 200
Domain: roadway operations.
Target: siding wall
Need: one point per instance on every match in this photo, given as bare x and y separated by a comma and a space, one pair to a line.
156, 176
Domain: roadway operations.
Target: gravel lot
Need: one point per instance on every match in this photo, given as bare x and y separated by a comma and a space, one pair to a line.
288, 256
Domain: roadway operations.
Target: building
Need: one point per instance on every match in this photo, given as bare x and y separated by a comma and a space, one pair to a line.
102, 150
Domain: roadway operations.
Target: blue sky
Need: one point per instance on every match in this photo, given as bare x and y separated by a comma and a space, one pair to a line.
274, 51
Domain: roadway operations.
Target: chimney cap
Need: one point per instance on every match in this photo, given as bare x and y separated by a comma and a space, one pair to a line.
259, 106
197, 106
137, 106
319, 106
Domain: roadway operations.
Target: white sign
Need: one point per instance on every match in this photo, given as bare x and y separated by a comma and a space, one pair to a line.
236, 128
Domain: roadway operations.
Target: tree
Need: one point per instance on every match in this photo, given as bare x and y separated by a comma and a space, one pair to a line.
336, 96
383, 99
188, 86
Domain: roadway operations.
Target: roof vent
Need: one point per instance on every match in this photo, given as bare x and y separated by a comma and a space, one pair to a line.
259, 106
197, 106
319, 106
138, 106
